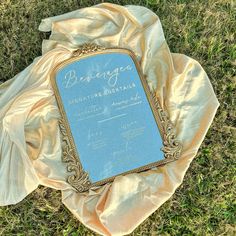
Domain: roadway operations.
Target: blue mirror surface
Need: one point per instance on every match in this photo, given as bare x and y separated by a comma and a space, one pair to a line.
109, 115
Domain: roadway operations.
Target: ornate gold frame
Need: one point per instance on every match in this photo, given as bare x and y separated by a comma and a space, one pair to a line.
79, 179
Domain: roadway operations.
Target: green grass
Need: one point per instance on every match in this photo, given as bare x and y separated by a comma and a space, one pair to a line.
205, 203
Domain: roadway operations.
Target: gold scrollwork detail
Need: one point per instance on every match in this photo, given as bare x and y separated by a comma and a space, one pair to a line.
172, 147
79, 179
87, 48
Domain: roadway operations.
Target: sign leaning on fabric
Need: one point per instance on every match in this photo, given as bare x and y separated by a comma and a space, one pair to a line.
112, 124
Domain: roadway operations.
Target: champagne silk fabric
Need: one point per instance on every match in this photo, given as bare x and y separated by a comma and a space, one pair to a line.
30, 142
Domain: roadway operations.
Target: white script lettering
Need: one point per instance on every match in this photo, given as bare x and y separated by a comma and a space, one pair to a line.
71, 78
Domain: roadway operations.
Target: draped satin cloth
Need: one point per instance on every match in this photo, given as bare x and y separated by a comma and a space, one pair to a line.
30, 141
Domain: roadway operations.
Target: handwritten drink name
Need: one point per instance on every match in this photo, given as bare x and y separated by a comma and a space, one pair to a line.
71, 78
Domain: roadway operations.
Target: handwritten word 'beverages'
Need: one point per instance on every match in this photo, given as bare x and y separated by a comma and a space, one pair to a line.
71, 78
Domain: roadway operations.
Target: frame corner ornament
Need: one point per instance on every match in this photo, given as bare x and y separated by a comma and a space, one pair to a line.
171, 146
79, 179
